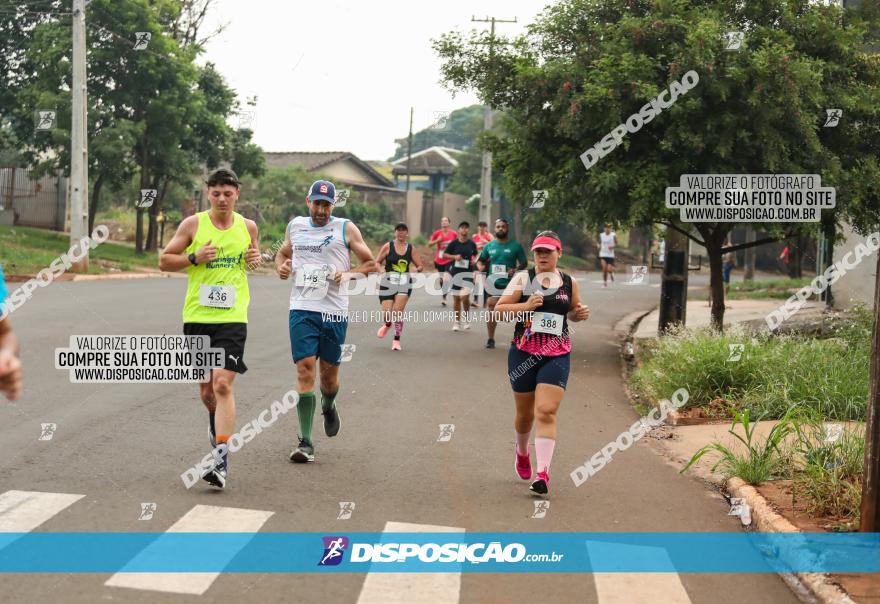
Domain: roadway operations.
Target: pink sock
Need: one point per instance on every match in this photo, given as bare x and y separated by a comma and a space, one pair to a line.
544, 452
522, 443
398, 328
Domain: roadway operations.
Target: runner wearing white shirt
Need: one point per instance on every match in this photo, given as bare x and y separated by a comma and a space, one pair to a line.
607, 243
316, 252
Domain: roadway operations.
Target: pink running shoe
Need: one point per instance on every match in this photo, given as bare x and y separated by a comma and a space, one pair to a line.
395, 345
523, 465
541, 483
383, 330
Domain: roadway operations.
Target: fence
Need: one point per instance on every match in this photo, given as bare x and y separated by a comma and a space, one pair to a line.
25, 201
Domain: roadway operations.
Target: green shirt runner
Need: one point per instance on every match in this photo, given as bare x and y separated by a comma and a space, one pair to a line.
500, 258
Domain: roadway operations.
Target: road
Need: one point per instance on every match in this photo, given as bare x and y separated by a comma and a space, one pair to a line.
119, 446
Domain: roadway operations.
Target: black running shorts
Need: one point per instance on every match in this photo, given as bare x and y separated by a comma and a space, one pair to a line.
228, 336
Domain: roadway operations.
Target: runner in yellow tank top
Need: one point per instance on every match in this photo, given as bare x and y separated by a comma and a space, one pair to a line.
216, 247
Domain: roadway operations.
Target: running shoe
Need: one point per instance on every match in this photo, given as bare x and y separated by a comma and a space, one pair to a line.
467, 325
455, 326
490, 343
395, 345
216, 476
523, 464
541, 483
303, 453
331, 421
383, 330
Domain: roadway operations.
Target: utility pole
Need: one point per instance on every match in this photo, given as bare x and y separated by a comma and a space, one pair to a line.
673, 291
870, 510
79, 152
486, 172
409, 147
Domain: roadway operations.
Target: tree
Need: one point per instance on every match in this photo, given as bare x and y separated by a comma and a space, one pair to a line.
586, 65
152, 112
460, 132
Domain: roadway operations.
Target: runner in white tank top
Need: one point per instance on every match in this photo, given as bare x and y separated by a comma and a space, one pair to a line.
316, 252
607, 243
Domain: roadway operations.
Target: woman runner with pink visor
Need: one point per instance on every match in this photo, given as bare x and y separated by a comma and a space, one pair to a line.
544, 300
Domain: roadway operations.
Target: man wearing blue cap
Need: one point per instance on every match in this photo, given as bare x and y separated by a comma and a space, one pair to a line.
10, 366
317, 252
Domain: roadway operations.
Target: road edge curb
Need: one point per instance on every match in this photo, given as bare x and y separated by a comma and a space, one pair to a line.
767, 520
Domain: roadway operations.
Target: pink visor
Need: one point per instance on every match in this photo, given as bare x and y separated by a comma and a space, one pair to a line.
547, 243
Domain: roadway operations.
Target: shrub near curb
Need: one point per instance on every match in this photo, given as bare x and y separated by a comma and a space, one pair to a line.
772, 373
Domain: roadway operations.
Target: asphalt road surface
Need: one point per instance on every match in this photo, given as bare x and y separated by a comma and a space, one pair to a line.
117, 446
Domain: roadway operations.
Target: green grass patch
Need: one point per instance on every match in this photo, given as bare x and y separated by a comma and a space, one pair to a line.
569, 262
774, 373
26, 251
780, 289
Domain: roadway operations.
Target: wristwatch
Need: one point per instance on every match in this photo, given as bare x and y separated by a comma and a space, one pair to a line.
192, 259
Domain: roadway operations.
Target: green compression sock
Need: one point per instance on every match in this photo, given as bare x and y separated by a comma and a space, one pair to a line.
305, 410
327, 399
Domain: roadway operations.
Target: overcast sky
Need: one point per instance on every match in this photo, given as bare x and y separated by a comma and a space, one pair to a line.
342, 75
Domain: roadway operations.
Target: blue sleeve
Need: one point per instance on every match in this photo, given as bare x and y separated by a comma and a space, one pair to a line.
3, 292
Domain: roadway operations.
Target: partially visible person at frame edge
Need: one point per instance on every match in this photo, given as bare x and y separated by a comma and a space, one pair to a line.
10, 366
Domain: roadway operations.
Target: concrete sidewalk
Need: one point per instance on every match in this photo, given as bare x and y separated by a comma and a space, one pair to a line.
699, 314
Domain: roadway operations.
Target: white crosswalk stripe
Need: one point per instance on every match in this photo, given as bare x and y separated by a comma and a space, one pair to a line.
393, 588
200, 519
638, 588
23, 511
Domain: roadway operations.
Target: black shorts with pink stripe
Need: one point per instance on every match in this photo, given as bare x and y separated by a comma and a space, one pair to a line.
526, 370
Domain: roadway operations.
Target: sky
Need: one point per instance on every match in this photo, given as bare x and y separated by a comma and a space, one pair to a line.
342, 75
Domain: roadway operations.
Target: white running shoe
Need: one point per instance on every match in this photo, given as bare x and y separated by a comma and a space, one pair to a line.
455, 326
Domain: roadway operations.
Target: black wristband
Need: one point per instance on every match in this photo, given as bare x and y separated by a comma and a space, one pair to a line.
192, 259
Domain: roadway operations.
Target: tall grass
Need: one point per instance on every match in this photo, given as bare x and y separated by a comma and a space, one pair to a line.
829, 376
760, 461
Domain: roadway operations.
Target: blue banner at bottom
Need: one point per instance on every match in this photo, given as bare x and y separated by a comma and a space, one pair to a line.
439, 552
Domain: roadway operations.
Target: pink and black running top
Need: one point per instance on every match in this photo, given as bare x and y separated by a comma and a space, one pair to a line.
559, 303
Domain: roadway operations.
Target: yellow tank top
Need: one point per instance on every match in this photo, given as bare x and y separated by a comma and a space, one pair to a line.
226, 271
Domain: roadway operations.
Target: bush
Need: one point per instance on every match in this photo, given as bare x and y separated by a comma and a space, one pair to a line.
760, 462
829, 474
829, 376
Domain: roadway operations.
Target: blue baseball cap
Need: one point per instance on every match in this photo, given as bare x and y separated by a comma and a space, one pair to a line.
322, 190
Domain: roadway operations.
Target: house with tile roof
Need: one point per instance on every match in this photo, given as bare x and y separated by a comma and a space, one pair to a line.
429, 169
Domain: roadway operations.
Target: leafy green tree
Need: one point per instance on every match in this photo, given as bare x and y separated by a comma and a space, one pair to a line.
152, 112
460, 132
586, 65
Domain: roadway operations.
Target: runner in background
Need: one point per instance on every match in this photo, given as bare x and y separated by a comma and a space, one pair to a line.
538, 360
10, 366
441, 238
462, 252
317, 251
481, 238
500, 259
607, 243
216, 247
395, 288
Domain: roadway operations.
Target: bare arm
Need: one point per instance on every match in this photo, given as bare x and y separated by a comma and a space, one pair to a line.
509, 302
383, 253
417, 260
361, 250
578, 312
253, 258
10, 366
284, 257
173, 257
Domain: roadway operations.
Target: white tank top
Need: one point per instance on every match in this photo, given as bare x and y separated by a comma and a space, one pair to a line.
318, 252
606, 241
